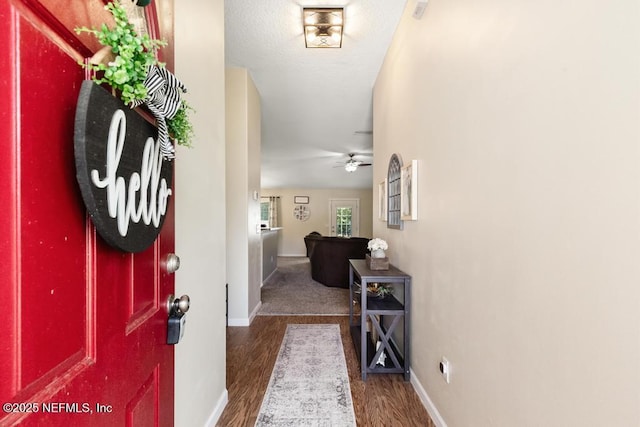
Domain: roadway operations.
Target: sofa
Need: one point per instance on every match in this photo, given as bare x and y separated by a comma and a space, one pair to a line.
329, 257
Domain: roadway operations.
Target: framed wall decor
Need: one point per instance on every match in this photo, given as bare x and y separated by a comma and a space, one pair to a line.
301, 213
382, 200
409, 191
301, 200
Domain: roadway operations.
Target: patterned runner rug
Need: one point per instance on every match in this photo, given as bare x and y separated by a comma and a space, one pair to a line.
309, 385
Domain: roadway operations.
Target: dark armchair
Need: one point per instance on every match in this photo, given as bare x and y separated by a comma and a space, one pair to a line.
329, 257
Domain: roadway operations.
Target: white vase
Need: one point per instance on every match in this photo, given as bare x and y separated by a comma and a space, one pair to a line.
377, 253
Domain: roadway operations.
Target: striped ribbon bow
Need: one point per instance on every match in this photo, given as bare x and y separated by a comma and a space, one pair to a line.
163, 100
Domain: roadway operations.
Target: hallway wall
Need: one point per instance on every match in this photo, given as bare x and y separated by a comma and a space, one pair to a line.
200, 391
244, 245
524, 119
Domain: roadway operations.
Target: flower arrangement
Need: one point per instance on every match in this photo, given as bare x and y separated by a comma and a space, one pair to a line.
380, 290
377, 243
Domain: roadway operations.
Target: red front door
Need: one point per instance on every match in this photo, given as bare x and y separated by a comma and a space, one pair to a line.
83, 325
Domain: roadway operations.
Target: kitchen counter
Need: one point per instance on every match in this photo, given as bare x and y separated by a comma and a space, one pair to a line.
270, 237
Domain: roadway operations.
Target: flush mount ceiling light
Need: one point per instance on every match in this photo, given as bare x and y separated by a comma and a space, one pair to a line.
322, 27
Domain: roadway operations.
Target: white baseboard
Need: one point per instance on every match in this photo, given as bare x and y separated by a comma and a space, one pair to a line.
255, 311
245, 321
427, 402
217, 410
293, 255
269, 276
238, 322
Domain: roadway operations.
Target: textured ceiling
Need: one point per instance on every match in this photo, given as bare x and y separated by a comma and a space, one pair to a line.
316, 103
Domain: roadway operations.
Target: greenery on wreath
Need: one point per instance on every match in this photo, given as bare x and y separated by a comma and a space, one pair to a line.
126, 73
133, 55
180, 127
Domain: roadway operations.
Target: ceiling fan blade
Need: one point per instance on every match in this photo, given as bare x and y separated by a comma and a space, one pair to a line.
365, 164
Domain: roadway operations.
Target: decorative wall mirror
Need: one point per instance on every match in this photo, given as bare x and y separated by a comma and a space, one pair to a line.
394, 219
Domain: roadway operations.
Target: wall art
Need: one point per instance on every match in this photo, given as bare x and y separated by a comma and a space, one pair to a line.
382, 200
409, 191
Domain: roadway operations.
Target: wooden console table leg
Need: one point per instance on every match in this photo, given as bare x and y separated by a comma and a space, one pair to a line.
363, 328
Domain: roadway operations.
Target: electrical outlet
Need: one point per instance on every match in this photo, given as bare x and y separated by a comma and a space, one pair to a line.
445, 370
421, 5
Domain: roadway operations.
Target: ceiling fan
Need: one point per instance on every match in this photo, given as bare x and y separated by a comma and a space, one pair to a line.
352, 164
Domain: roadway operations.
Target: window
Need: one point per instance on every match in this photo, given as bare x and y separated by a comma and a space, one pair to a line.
343, 222
264, 213
393, 193
269, 208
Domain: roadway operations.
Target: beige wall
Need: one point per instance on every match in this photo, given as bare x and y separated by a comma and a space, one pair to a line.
200, 386
525, 258
244, 260
292, 235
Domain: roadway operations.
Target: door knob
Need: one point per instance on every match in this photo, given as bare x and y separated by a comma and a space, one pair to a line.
179, 305
172, 263
177, 308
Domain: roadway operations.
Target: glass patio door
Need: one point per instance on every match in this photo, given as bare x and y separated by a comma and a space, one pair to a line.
345, 217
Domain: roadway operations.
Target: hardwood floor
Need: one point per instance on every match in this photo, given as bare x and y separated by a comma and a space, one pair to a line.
383, 400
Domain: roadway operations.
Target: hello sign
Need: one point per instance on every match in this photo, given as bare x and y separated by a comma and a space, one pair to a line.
124, 180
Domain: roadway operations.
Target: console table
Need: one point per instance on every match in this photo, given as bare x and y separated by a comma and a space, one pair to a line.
385, 314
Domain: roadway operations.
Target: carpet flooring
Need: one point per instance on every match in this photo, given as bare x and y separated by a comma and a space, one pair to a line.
290, 290
309, 384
